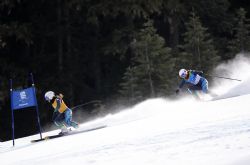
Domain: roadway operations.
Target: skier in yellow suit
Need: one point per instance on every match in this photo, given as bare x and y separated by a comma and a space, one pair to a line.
62, 115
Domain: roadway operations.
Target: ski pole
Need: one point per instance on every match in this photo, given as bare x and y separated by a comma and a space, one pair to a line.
223, 77
81, 105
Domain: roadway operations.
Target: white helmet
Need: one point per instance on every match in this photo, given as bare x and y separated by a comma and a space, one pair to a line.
183, 73
49, 95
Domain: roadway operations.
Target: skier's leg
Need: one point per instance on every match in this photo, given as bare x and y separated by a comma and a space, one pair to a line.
193, 90
68, 119
194, 93
58, 120
204, 85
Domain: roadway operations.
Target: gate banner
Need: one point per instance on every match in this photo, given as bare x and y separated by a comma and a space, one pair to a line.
23, 98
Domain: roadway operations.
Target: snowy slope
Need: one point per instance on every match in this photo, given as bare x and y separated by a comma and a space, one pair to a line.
216, 132
154, 132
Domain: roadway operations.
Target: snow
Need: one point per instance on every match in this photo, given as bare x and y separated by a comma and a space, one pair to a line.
155, 132
215, 131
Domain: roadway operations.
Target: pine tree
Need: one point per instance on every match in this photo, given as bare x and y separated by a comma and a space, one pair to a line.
241, 42
150, 74
198, 51
130, 85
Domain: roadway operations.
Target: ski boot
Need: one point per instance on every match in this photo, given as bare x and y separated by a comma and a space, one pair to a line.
75, 125
64, 130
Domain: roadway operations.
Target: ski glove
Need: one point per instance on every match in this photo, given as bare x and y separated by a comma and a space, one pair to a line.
177, 91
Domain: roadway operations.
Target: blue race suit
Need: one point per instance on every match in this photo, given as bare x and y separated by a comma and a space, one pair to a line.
195, 81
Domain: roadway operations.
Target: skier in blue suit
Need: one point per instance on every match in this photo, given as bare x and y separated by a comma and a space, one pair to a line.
194, 81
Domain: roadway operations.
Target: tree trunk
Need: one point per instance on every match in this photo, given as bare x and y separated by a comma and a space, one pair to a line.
173, 31
60, 36
152, 91
70, 57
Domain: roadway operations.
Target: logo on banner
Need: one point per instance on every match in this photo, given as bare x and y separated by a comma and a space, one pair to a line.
23, 98
23, 95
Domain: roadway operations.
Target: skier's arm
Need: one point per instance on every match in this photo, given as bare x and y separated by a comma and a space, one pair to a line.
180, 86
58, 101
60, 95
183, 82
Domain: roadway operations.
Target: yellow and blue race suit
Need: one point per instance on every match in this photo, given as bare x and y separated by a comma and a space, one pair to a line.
62, 114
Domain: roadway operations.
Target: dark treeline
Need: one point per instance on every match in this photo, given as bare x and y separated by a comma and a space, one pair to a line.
115, 51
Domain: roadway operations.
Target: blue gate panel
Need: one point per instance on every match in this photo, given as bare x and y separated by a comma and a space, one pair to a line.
23, 98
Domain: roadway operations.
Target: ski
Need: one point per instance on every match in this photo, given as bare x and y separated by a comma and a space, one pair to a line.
47, 138
66, 134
